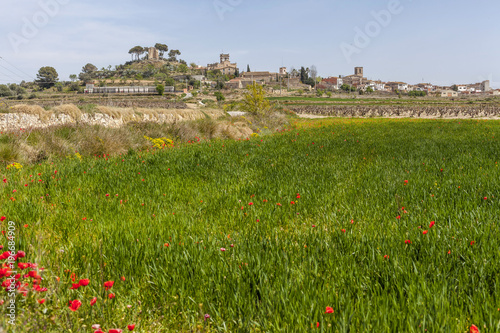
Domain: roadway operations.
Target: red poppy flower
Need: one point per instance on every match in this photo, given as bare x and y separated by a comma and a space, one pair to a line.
115, 330
407, 241
93, 301
250, 203
474, 329
3, 218
108, 284
41, 301
75, 286
22, 265
473, 242
111, 296
292, 202
84, 282
123, 278
432, 224
398, 217
343, 230
74, 305
328, 310
5, 180
485, 198
425, 232
131, 327
20, 254
386, 257
317, 324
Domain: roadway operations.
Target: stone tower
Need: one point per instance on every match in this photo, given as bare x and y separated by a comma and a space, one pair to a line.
153, 54
358, 71
224, 58
485, 86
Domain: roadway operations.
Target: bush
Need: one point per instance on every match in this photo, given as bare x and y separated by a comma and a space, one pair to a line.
5, 91
160, 89
254, 101
417, 93
220, 97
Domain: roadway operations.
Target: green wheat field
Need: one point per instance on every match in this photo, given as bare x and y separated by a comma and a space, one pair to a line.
391, 223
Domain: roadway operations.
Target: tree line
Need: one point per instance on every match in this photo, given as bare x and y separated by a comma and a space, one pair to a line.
137, 51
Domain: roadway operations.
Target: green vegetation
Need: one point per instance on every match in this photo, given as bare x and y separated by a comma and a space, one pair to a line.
254, 101
47, 77
160, 89
263, 235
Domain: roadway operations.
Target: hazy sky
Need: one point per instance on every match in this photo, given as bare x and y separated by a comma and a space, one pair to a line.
443, 42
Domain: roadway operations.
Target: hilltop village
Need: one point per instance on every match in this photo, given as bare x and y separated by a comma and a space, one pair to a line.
152, 70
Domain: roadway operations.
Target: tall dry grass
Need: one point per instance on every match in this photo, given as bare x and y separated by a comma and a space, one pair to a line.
36, 110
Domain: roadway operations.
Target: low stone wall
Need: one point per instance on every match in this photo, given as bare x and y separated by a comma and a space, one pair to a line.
429, 111
136, 103
16, 121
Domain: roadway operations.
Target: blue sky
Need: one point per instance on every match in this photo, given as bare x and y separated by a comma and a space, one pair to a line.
443, 42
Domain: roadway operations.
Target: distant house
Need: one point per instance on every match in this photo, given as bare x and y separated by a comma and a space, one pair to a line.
426, 87
224, 66
91, 89
449, 93
240, 83
376, 85
331, 83
399, 86
260, 76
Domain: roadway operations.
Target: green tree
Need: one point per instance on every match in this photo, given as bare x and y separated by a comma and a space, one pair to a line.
162, 48
303, 75
88, 73
454, 87
172, 55
5, 91
182, 68
137, 51
170, 82
47, 77
219, 96
254, 101
248, 68
369, 90
347, 88
160, 89
73, 77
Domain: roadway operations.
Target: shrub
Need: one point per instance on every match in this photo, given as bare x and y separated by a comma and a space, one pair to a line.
160, 89
220, 97
254, 101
